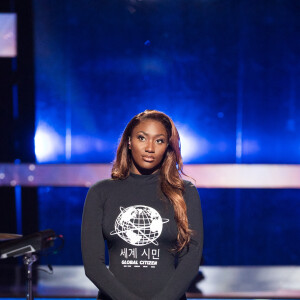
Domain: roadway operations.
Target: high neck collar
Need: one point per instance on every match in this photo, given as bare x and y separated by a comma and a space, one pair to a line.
145, 178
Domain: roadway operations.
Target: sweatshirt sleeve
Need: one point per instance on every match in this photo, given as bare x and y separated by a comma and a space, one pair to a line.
189, 259
93, 248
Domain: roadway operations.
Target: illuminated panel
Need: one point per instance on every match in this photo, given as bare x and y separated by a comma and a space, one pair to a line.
245, 176
8, 40
206, 176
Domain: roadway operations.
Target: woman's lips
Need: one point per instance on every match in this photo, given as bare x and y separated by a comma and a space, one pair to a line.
148, 158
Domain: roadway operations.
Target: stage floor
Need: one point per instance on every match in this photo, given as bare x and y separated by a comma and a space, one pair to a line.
213, 282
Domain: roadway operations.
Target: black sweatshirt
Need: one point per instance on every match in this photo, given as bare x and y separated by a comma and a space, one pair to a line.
138, 224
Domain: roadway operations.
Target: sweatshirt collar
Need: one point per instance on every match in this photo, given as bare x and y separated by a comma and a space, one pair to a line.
145, 178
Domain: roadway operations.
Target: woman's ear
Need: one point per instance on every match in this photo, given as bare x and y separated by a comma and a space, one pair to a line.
129, 142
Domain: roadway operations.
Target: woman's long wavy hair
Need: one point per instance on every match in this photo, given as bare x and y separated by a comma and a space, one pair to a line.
170, 171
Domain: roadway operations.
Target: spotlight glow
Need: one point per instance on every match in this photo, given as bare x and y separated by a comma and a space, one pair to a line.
192, 146
48, 143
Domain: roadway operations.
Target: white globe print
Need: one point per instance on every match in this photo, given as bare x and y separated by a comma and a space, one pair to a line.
139, 225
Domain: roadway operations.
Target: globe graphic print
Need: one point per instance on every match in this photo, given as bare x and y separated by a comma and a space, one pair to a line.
139, 225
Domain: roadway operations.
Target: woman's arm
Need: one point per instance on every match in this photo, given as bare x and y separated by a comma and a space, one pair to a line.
189, 260
93, 248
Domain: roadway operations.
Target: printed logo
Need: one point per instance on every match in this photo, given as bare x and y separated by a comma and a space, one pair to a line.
139, 225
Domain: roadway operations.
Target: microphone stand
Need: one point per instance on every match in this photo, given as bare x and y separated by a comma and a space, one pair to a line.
28, 261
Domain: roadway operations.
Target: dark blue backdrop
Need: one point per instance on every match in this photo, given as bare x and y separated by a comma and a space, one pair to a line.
225, 71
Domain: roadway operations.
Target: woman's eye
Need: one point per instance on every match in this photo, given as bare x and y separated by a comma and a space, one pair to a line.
160, 141
141, 138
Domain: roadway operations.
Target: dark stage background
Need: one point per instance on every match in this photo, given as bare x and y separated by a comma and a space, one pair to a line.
226, 71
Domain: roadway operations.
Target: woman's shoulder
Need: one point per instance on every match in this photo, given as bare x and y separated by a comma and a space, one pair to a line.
103, 184
188, 185
101, 189
190, 192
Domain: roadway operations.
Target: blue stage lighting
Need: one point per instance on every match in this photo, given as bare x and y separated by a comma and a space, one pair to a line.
192, 146
48, 143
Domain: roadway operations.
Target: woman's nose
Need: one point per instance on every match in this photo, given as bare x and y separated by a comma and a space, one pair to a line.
150, 147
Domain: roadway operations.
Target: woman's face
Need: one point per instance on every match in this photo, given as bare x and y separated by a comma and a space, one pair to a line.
148, 144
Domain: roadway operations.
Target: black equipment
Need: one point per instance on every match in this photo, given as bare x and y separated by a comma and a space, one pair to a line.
27, 246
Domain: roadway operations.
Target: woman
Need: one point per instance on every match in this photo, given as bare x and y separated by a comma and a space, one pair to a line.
150, 218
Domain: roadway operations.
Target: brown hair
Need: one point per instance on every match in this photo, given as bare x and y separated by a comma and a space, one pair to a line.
170, 171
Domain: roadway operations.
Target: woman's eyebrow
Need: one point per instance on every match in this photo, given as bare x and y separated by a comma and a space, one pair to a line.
160, 134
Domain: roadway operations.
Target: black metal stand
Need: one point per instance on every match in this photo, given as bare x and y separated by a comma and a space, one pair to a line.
28, 261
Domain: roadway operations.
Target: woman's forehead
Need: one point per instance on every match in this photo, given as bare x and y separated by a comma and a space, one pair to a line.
150, 127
